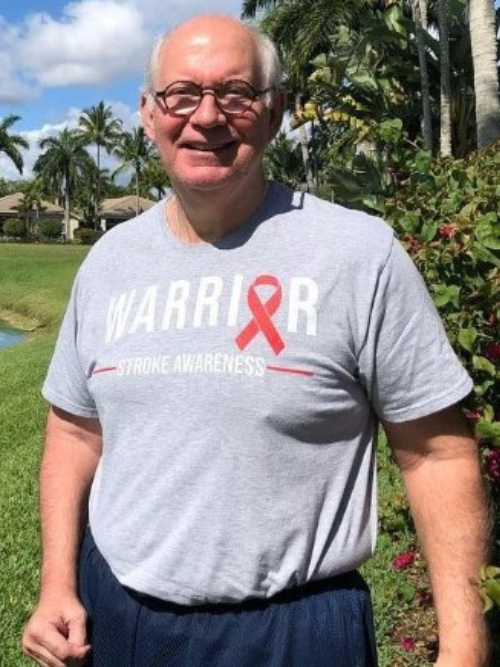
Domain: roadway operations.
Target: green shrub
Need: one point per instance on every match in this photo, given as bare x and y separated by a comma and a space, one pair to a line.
50, 230
448, 215
87, 236
14, 228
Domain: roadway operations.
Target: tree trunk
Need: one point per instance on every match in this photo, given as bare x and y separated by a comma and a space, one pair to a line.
445, 147
97, 189
137, 192
304, 146
484, 55
67, 230
419, 12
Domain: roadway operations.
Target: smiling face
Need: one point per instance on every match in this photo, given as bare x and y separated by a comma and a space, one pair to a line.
209, 150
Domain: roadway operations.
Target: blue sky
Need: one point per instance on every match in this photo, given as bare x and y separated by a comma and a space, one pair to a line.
60, 57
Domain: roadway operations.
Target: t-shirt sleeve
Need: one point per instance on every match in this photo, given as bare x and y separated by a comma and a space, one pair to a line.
406, 362
66, 384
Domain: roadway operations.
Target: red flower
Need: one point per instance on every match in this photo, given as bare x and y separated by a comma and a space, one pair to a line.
447, 231
408, 644
492, 465
492, 351
404, 560
412, 243
473, 414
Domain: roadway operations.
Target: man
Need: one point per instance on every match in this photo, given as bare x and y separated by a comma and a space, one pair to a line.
216, 387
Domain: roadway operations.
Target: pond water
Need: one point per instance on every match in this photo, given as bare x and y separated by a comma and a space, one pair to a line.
8, 335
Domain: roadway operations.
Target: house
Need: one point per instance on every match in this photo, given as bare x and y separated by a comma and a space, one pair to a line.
112, 211
11, 206
118, 209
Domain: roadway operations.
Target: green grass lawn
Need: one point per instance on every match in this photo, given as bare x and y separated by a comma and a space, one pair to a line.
34, 285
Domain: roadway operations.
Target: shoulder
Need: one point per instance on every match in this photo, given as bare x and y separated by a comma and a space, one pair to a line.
320, 223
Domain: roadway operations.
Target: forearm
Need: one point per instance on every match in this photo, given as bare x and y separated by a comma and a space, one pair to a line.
449, 509
69, 462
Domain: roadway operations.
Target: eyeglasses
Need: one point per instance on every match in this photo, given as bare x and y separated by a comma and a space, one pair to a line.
234, 97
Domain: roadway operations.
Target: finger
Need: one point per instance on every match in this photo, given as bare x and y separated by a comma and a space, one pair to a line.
42, 657
77, 633
51, 643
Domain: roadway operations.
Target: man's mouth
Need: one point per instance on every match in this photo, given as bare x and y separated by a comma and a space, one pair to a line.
209, 148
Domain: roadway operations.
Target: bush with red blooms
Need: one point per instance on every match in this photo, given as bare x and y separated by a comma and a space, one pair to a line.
447, 214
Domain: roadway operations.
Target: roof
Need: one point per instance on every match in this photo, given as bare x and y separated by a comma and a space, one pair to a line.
9, 205
124, 206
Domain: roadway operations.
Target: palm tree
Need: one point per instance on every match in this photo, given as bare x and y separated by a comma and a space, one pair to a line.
63, 162
134, 152
155, 177
484, 55
11, 143
302, 30
419, 13
97, 126
84, 195
443, 12
31, 204
282, 161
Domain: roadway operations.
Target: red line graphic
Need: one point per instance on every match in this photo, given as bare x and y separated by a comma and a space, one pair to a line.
262, 312
105, 369
292, 371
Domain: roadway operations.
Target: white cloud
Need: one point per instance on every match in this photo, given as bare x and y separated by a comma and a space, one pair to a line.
93, 42
96, 41
13, 87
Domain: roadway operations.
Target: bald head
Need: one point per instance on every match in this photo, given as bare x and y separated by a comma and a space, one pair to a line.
198, 30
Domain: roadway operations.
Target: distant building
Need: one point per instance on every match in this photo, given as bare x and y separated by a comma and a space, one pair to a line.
112, 211
116, 210
11, 205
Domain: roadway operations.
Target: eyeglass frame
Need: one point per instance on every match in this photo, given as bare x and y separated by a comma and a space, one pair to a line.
203, 90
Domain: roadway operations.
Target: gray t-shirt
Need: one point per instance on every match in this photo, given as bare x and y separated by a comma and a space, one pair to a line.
238, 385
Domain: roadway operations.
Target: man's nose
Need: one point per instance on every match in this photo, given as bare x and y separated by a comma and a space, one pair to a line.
208, 113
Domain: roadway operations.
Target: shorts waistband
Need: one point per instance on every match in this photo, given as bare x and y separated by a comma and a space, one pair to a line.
351, 580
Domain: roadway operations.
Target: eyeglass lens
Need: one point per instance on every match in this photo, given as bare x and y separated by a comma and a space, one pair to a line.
231, 97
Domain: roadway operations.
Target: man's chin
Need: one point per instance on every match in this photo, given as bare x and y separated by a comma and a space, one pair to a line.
210, 179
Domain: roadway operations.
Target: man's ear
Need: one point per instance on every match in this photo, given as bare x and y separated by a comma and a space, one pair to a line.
147, 115
276, 113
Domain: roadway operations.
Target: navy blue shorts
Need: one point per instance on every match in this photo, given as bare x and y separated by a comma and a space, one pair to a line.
322, 624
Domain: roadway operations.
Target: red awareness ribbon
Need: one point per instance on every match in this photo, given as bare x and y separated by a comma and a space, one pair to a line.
262, 313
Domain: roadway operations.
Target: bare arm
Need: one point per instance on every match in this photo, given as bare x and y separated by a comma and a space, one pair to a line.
55, 634
440, 466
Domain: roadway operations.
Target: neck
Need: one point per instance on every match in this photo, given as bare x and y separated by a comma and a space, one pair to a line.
206, 217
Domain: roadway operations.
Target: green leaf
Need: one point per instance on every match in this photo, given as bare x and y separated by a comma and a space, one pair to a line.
488, 431
487, 602
481, 389
485, 255
487, 231
445, 294
467, 338
489, 415
483, 364
490, 572
428, 231
492, 588
422, 161
407, 592
390, 131
410, 221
